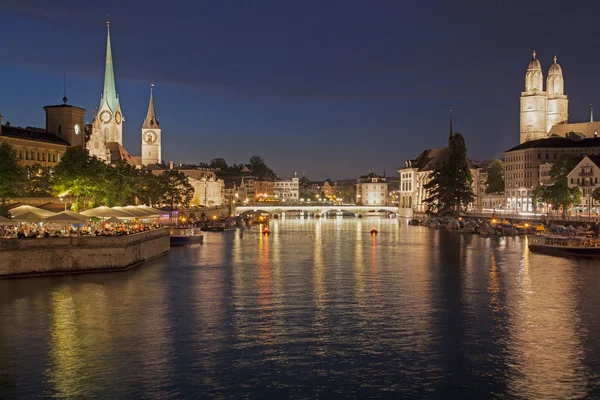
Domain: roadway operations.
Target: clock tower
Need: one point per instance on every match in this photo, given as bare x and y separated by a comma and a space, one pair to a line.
151, 136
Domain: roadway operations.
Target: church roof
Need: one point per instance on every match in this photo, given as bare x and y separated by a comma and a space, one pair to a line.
588, 129
151, 122
118, 152
109, 94
555, 68
534, 64
33, 134
429, 160
556, 142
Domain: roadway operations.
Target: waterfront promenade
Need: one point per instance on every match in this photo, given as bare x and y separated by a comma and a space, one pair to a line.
62, 255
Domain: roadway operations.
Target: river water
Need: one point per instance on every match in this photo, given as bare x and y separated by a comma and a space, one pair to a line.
318, 309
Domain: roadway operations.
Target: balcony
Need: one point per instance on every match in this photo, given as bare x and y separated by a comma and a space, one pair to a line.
586, 174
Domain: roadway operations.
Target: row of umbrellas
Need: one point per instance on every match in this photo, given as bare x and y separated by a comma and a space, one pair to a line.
114, 214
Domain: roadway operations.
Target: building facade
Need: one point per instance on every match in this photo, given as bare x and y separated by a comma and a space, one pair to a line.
45, 147
371, 189
418, 172
287, 190
525, 163
585, 177
264, 190
208, 189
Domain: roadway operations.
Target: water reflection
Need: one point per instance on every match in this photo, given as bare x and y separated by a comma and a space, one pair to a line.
317, 307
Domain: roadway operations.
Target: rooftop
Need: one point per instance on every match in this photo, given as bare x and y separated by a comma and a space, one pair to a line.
557, 142
33, 134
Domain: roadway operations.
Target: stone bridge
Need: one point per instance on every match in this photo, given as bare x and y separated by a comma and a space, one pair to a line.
316, 209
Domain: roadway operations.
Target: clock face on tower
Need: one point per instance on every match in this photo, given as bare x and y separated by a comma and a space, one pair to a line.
77, 129
118, 117
150, 137
105, 116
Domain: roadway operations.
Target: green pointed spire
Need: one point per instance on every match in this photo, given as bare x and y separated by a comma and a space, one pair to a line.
109, 95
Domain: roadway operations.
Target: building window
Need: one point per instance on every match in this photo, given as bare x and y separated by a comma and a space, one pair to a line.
59, 129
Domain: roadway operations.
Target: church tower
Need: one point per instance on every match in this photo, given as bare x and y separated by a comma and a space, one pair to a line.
533, 104
558, 105
151, 136
109, 112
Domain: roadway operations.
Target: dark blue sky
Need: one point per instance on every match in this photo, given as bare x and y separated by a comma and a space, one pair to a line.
331, 87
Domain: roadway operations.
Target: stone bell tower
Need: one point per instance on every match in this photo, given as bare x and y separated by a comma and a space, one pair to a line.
151, 135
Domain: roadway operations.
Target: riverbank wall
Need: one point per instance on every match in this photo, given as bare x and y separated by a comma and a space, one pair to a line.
48, 256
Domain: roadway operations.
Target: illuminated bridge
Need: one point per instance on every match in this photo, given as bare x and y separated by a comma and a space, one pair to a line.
322, 210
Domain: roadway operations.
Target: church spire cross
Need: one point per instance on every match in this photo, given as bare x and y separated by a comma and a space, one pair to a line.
554, 59
151, 121
109, 95
534, 54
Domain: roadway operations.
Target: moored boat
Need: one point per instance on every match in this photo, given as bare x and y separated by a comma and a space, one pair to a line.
566, 246
183, 236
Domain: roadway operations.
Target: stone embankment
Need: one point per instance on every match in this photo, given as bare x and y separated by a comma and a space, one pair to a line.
48, 256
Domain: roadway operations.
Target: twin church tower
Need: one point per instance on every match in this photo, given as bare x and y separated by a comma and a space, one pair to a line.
541, 110
106, 138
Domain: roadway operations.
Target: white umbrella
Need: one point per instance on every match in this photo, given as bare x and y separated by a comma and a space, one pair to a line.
67, 217
17, 211
6, 221
29, 217
139, 211
105, 212
114, 220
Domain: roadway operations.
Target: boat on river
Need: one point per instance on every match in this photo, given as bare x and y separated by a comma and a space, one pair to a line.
566, 246
183, 236
219, 228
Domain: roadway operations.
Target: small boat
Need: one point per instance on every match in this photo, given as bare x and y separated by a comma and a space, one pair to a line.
434, 224
469, 227
219, 228
509, 231
453, 225
183, 236
413, 222
566, 246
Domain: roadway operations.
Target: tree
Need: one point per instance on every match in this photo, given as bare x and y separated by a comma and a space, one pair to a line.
558, 193
119, 185
218, 163
450, 187
78, 175
495, 177
177, 188
596, 194
259, 168
149, 188
12, 176
37, 183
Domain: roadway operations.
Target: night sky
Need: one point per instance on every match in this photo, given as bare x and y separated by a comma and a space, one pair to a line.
335, 88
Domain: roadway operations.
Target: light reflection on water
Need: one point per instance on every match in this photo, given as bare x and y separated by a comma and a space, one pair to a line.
318, 308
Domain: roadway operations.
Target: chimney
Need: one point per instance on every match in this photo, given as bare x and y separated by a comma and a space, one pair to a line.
170, 164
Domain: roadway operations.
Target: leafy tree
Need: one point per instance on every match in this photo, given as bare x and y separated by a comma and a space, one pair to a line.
38, 179
450, 187
495, 177
150, 188
596, 194
558, 193
118, 186
177, 188
78, 175
259, 168
12, 176
218, 163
